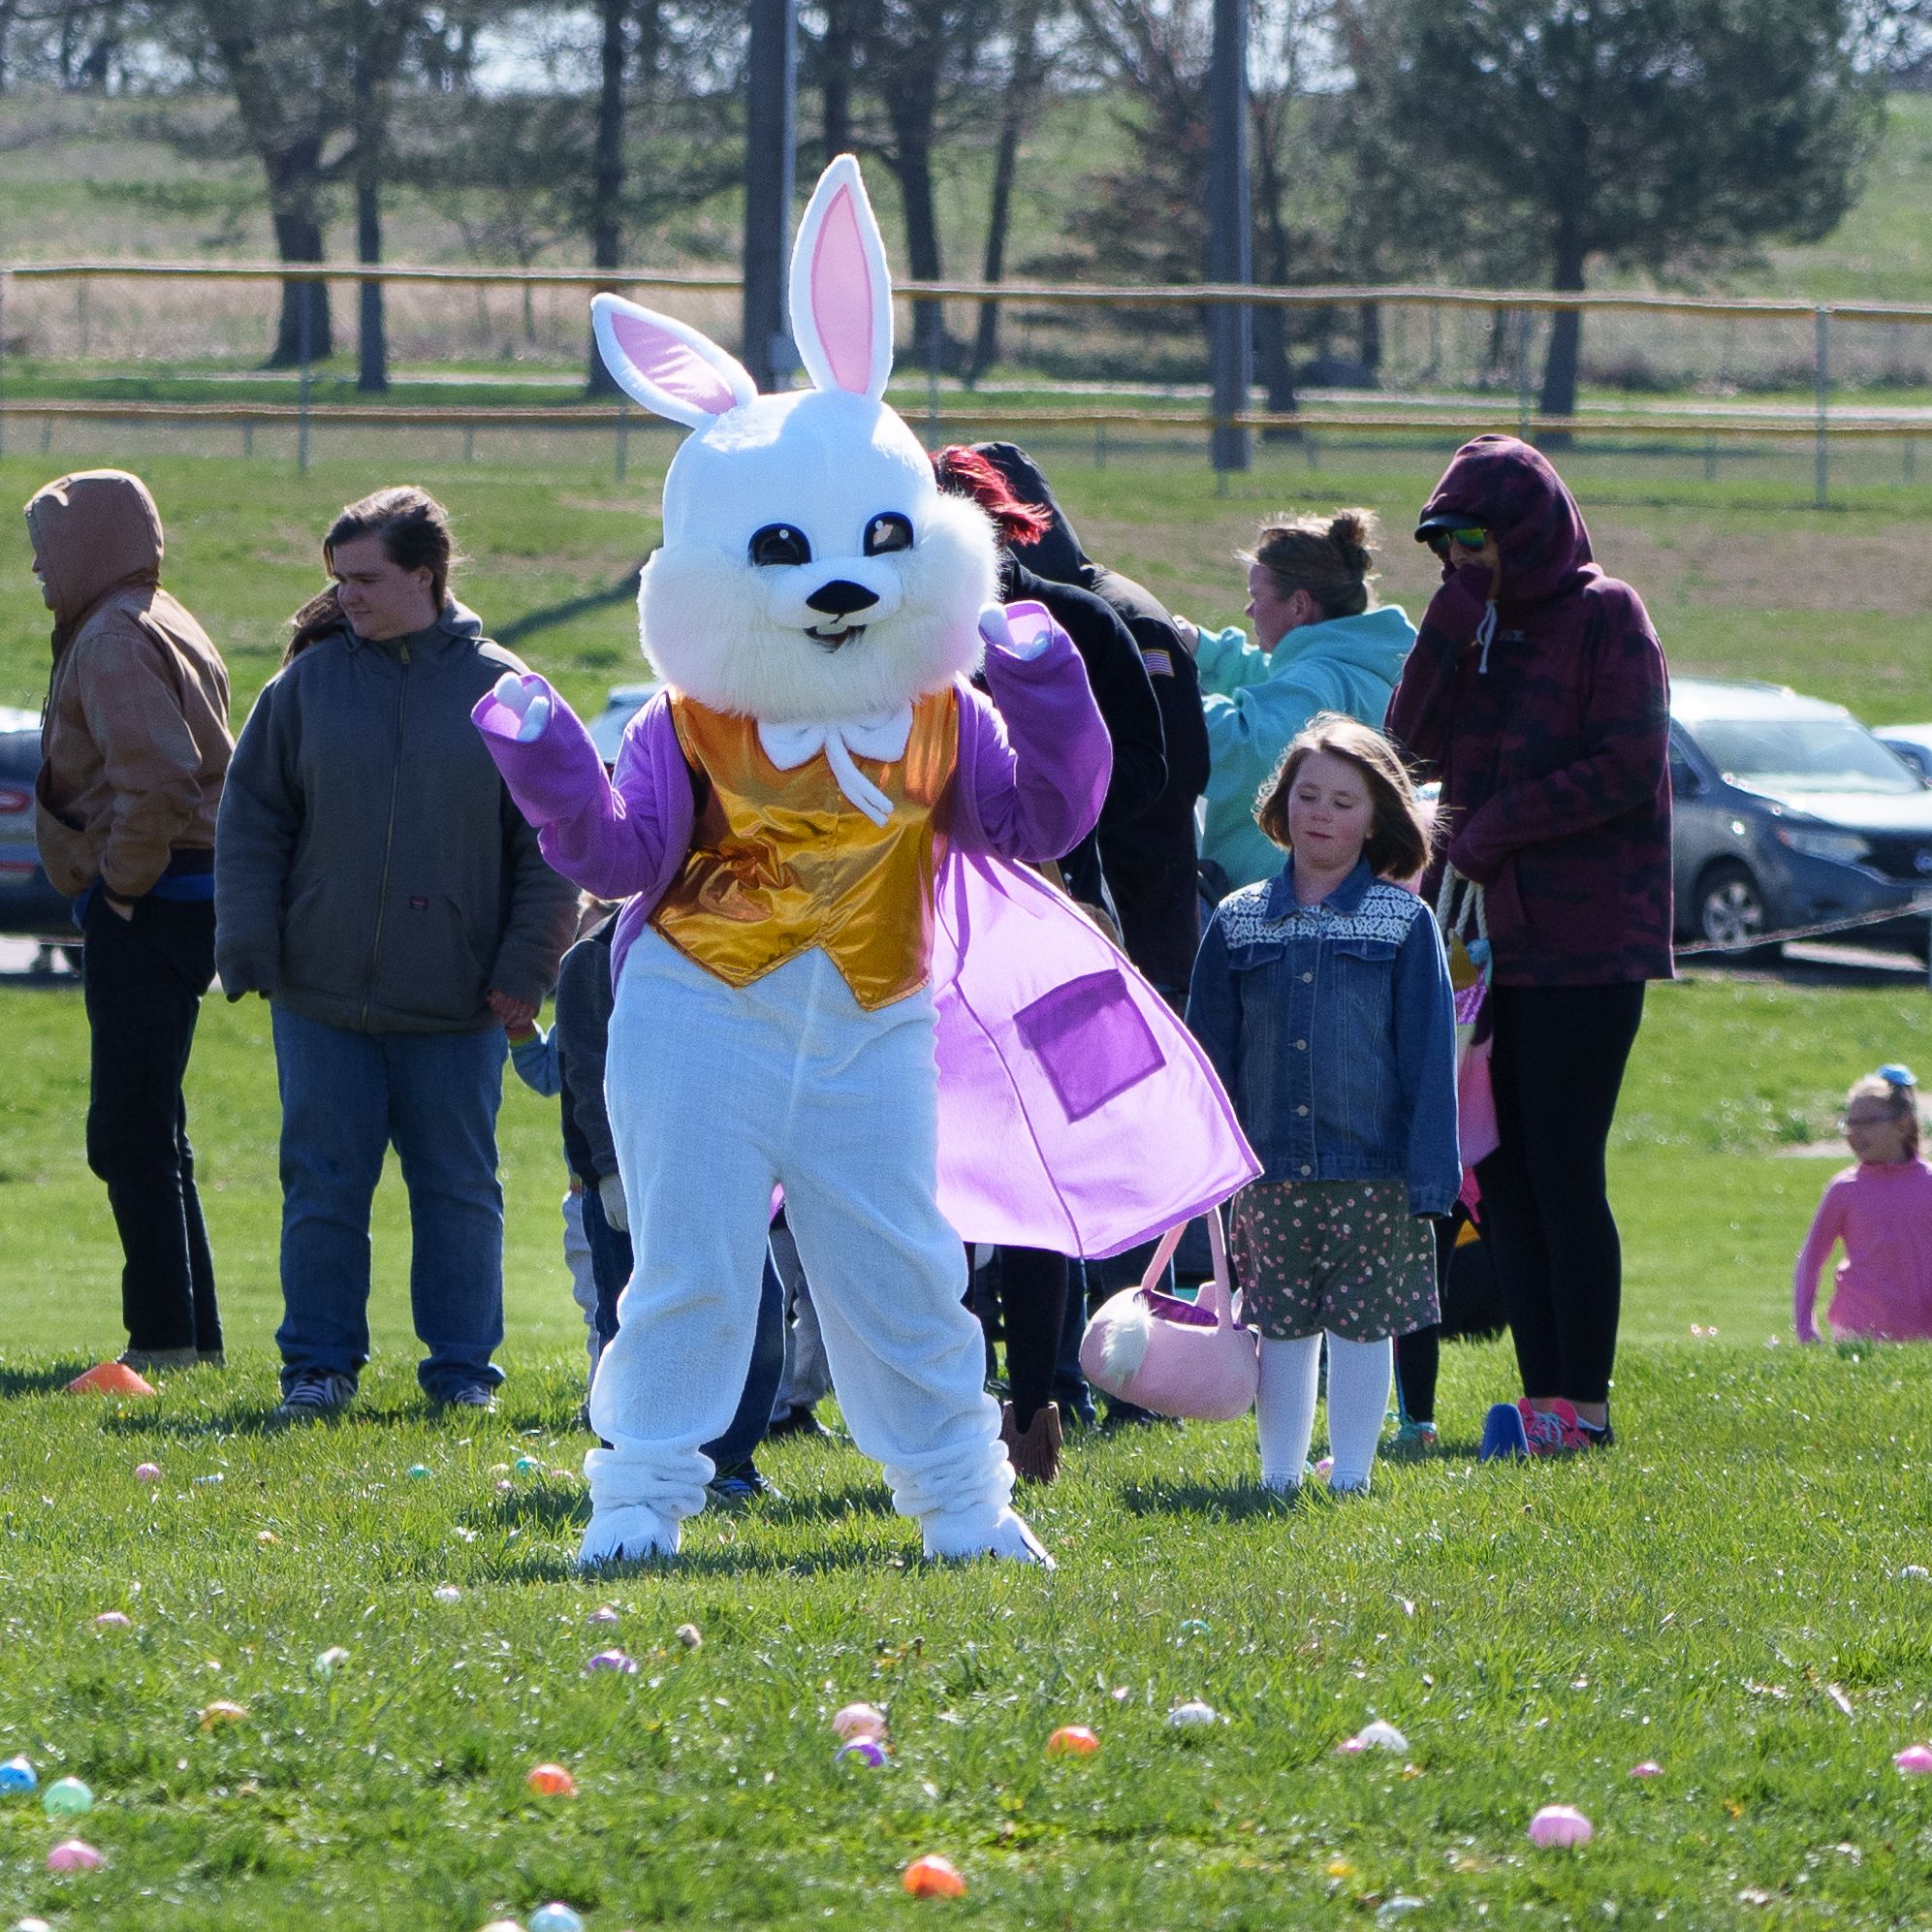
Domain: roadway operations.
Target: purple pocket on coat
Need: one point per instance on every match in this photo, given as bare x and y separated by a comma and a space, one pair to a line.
1092, 1040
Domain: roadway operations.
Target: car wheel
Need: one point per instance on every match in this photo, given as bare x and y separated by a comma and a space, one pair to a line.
1730, 911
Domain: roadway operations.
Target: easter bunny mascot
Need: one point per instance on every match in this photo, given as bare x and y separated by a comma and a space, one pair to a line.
777, 818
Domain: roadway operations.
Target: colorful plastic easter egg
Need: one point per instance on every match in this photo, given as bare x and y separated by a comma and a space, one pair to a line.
1193, 1627
331, 1660
1915, 1761
1192, 1713
550, 1781
1377, 1735
67, 1798
447, 1593
859, 1721
113, 1620
148, 1472
613, 1660
16, 1774
527, 1466
110, 1379
689, 1635
1649, 1769
866, 1751
223, 1711
1072, 1740
32, 1925
415, 1471
1351, 1746
72, 1854
604, 1613
933, 1877
555, 1918
1560, 1824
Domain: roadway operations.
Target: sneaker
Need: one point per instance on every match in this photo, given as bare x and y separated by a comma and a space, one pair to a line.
798, 1420
1414, 1439
468, 1395
313, 1393
1504, 1435
1595, 1438
1551, 1432
145, 1361
737, 1487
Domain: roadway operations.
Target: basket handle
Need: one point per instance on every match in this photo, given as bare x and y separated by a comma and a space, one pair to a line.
1216, 1294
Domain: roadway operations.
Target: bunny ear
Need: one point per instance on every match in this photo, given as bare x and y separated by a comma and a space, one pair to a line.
671, 368
841, 289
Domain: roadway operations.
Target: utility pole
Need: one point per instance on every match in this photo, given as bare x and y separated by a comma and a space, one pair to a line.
1230, 235
770, 142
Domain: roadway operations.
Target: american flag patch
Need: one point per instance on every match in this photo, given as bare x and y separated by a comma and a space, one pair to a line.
1159, 663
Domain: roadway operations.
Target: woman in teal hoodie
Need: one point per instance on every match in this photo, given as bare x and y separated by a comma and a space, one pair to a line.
1321, 645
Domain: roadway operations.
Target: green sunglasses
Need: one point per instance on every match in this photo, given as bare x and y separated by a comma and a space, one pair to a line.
1472, 538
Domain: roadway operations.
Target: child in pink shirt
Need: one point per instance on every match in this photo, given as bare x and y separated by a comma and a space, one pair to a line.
1882, 1211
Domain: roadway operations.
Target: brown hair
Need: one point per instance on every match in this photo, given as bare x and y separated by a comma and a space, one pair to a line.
1901, 1098
1399, 837
415, 532
1327, 557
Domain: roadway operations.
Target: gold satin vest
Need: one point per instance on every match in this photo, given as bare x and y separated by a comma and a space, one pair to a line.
784, 861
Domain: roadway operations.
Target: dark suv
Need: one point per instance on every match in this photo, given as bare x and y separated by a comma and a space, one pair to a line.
1788, 812
29, 905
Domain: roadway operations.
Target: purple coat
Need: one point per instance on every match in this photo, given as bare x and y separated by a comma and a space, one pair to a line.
1076, 1113
1552, 742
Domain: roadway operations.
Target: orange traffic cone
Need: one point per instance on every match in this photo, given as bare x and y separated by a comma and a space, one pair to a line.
110, 1379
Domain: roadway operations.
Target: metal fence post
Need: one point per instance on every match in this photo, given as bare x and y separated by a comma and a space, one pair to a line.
1823, 494
1524, 324
303, 350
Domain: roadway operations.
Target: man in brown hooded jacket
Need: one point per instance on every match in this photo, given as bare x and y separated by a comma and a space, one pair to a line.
134, 746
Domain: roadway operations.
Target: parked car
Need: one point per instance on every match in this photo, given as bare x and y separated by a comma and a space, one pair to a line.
29, 905
1912, 742
625, 702
1788, 812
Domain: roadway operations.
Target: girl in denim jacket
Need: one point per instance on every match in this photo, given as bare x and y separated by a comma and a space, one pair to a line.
1322, 996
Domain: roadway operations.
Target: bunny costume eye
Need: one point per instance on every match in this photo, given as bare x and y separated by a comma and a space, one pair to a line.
887, 531
782, 544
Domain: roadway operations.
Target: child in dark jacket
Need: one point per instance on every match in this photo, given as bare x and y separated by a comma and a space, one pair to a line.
1322, 996
585, 998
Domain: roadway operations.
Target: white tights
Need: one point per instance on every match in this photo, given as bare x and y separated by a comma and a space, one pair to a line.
1358, 1385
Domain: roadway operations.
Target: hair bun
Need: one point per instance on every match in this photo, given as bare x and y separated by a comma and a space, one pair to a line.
1353, 533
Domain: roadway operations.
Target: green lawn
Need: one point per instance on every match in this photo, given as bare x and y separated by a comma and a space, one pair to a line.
1721, 1595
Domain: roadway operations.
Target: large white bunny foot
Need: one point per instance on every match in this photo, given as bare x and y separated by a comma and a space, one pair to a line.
973, 1534
524, 695
626, 1532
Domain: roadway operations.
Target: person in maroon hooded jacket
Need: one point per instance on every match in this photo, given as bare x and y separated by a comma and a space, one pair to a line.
1537, 691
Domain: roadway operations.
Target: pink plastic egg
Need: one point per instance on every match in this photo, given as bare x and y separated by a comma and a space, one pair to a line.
858, 1721
148, 1472
1649, 1769
112, 1620
1915, 1761
1560, 1824
72, 1854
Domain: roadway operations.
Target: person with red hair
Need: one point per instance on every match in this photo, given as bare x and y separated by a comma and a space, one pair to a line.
1034, 1285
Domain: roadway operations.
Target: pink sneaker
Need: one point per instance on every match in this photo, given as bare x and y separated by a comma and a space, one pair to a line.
1554, 1431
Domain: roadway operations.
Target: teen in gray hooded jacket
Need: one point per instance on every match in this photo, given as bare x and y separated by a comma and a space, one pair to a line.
374, 882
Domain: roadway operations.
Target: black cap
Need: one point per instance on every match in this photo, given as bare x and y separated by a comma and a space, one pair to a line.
1446, 520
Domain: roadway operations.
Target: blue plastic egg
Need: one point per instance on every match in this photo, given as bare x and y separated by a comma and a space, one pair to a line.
554, 1917
16, 1775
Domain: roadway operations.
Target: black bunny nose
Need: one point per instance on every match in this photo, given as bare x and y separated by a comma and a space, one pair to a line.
839, 598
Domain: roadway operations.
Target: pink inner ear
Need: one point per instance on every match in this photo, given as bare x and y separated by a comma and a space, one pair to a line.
842, 295
675, 366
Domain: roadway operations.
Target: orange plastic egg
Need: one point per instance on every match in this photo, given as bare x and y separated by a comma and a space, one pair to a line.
933, 1877
1072, 1740
221, 1711
550, 1781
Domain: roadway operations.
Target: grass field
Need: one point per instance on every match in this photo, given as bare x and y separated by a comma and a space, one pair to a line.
1720, 1596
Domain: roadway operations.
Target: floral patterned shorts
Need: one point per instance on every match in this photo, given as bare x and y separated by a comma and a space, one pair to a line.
1346, 1255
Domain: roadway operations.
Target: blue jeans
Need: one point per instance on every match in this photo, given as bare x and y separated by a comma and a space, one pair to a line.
611, 1263
346, 1099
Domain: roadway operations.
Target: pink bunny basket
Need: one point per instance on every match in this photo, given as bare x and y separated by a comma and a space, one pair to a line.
1173, 1356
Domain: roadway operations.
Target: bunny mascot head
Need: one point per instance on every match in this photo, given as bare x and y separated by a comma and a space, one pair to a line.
811, 569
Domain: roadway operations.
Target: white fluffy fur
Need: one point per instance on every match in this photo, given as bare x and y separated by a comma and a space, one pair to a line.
709, 629
1125, 1334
